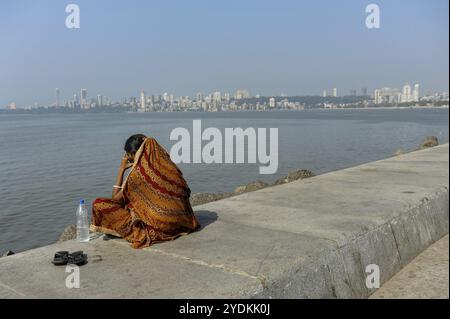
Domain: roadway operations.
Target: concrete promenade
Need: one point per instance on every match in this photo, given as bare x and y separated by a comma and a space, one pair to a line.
311, 238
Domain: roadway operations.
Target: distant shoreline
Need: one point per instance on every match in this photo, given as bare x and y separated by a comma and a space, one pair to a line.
121, 111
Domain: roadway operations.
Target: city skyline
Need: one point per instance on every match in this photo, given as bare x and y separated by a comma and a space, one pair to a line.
217, 95
240, 93
268, 47
218, 100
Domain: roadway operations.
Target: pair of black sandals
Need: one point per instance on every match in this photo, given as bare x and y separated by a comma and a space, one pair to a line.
64, 257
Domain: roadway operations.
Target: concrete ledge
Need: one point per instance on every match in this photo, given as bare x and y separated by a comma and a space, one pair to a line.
307, 239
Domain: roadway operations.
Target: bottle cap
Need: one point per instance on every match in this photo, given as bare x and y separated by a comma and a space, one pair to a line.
81, 201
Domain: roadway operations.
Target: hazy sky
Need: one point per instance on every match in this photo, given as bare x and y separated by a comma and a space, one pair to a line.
182, 46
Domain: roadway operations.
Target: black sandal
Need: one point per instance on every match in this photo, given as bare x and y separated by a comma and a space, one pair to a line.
77, 258
61, 258
109, 237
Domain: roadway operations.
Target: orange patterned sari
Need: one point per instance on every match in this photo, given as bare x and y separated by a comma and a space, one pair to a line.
156, 203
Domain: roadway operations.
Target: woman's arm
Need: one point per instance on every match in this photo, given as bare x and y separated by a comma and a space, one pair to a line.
118, 196
117, 193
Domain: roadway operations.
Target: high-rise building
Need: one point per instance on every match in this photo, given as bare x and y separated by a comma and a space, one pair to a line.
272, 102
150, 102
406, 94
377, 96
143, 100
364, 91
353, 92
83, 98
58, 102
99, 100
416, 95
75, 100
199, 97
216, 96
324, 93
335, 94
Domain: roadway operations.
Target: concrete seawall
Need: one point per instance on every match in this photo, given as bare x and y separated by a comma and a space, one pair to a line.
311, 238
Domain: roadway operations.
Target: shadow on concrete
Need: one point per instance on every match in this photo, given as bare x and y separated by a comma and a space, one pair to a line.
205, 218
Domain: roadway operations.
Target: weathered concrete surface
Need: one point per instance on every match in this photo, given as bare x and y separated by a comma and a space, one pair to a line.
311, 238
426, 277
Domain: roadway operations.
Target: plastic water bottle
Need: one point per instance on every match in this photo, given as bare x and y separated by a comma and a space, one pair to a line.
82, 223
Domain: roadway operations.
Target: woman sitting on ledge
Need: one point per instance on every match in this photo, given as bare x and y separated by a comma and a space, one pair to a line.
152, 204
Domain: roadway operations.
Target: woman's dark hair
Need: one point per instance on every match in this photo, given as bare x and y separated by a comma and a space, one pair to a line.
133, 143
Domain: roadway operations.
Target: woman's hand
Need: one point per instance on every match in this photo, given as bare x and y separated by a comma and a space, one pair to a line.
125, 164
